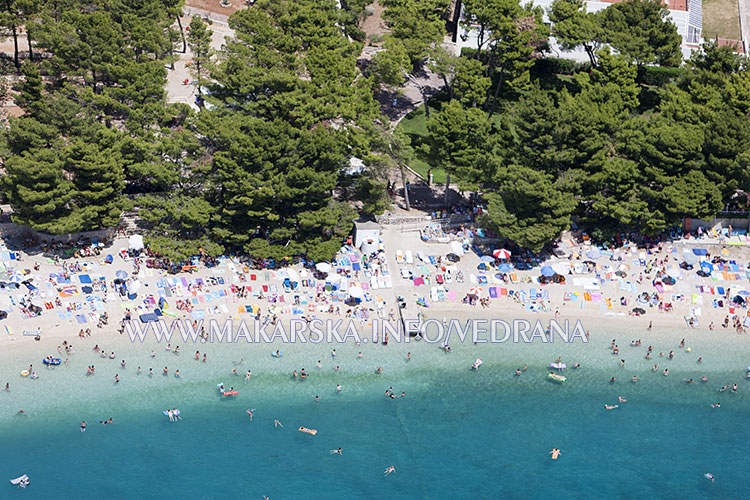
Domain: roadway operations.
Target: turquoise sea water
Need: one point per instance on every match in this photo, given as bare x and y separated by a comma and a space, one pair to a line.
456, 434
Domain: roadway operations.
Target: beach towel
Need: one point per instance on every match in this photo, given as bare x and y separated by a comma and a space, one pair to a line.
482, 280
451, 295
493, 292
198, 314
418, 281
85, 279
80, 318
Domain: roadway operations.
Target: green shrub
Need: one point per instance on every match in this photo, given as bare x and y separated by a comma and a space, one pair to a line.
658, 75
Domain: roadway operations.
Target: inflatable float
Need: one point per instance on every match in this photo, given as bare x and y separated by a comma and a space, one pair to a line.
477, 364
51, 361
277, 354
556, 378
558, 366
25, 373
222, 390
22, 481
555, 453
175, 413
312, 432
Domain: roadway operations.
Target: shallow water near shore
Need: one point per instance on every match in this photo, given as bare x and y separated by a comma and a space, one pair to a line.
457, 433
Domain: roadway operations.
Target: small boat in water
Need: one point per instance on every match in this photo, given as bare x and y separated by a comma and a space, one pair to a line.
556, 378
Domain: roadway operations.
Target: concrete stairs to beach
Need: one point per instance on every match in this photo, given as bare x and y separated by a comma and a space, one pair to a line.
129, 223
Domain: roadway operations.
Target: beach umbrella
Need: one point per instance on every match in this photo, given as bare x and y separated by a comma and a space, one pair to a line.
16, 278
475, 290
121, 274
453, 257
673, 272
547, 271
457, 248
134, 286
668, 280
323, 267
136, 242
594, 253
690, 258
504, 268
501, 253
707, 266
639, 310
561, 268
487, 258
356, 292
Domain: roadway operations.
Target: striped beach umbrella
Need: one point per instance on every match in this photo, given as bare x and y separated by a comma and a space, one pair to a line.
501, 253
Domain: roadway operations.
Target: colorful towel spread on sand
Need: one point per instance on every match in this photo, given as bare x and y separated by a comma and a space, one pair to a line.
68, 291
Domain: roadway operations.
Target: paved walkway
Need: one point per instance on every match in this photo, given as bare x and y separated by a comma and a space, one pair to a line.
745, 22
177, 90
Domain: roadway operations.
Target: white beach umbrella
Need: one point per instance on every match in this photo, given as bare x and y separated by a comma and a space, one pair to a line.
561, 267
136, 242
356, 292
134, 286
323, 267
673, 272
457, 248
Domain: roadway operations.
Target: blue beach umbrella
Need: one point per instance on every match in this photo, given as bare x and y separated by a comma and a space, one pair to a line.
121, 274
504, 268
594, 253
707, 266
487, 258
547, 271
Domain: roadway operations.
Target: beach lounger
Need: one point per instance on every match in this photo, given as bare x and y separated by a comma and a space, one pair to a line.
400, 257
432, 260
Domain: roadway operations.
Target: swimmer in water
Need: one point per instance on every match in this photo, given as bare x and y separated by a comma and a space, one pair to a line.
612, 380
165, 371
518, 372
716, 405
138, 371
634, 379
276, 423
688, 381
700, 359
610, 407
122, 363
316, 398
83, 426
105, 422
339, 388
150, 372
666, 371
389, 470
250, 412
247, 375
117, 379
724, 388
336, 451
408, 356
621, 399
177, 374
709, 476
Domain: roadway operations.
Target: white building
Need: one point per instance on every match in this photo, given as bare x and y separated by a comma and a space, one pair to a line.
687, 15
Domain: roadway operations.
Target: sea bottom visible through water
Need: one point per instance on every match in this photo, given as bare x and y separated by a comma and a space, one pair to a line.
457, 433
